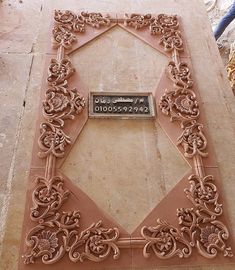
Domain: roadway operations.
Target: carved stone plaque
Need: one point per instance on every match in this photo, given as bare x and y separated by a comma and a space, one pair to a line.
121, 105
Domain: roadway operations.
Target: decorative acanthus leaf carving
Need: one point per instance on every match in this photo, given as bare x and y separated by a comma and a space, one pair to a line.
180, 75
180, 104
48, 197
204, 195
52, 140
68, 23
57, 232
63, 36
95, 19
138, 21
95, 243
162, 24
192, 139
62, 103
205, 233
59, 71
165, 241
198, 226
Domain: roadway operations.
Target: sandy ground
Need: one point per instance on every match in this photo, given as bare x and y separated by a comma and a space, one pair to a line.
215, 14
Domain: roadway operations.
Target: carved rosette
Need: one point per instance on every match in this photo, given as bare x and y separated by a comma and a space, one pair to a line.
61, 104
180, 104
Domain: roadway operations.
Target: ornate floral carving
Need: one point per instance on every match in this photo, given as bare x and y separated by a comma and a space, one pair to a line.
192, 139
165, 241
65, 17
97, 244
95, 19
68, 23
180, 104
43, 245
138, 21
59, 71
57, 232
62, 103
172, 40
180, 75
52, 141
167, 22
75, 22
63, 36
48, 197
205, 233
198, 226
204, 195
163, 25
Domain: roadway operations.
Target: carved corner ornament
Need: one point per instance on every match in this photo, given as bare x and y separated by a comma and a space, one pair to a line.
56, 233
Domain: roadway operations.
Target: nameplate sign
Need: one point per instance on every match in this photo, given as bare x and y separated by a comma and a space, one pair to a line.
121, 105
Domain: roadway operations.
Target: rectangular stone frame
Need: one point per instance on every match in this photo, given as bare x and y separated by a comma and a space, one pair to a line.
55, 234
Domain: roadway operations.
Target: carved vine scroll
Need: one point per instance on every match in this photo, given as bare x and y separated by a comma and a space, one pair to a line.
57, 233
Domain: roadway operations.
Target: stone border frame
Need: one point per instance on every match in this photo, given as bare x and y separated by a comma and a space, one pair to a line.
54, 231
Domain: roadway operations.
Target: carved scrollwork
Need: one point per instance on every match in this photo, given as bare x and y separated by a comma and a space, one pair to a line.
167, 22
57, 232
206, 234
62, 103
204, 195
65, 17
192, 139
163, 25
138, 21
63, 36
75, 22
172, 40
95, 19
165, 241
48, 197
95, 243
198, 226
68, 23
48, 240
59, 71
52, 140
180, 75
180, 104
